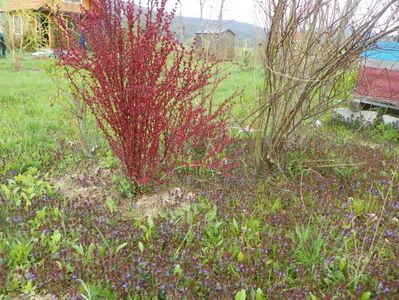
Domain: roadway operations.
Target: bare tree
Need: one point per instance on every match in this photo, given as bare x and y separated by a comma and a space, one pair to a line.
309, 51
221, 10
202, 8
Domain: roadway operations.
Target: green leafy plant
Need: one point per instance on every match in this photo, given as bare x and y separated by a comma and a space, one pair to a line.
123, 186
96, 292
241, 295
308, 245
364, 205
345, 169
24, 188
386, 133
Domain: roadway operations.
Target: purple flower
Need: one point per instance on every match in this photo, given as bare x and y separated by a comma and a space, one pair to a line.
31, 276
329, 261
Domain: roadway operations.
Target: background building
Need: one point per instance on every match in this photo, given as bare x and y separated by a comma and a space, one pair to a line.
28, 20
217, 44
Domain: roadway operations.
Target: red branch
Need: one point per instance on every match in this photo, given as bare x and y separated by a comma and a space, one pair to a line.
145, 88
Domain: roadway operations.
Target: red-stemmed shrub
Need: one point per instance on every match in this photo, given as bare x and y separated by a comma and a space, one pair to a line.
150, 95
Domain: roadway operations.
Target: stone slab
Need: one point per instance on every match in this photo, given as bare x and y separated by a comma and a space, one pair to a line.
391, 120
365, 117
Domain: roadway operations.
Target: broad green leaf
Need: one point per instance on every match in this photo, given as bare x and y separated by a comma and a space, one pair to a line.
59, 265
235, 226
56, 213
141, 246
312, 297
79, 249
342, 264
120, 247
240, 257
110, 205
56, 236
241, 295
41, 213
150, 222
365, 296
178, 271
28, 288
259, 294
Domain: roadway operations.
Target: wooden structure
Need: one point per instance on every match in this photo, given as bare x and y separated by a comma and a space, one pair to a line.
217, 44
378, 76
32, 17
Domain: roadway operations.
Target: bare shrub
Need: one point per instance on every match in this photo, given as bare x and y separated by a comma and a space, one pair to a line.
309, 54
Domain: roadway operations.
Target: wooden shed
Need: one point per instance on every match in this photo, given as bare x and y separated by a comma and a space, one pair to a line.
26, 17
378, 76
218, 44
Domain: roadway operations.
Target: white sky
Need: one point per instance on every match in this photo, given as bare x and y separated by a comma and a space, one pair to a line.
238, 10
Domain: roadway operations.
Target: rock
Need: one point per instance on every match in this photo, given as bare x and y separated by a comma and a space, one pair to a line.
391, 120
365, 117
316, 124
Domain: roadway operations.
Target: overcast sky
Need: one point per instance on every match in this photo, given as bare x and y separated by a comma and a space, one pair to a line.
239, 10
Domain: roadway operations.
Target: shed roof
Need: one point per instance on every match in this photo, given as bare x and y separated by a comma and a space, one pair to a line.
215, 31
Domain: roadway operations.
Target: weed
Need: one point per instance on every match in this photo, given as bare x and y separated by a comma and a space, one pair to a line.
309, 242
386, 133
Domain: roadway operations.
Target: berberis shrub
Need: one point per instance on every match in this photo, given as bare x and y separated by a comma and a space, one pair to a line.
149, 94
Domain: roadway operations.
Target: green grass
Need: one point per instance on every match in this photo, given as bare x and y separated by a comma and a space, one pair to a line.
250, 83
31, 128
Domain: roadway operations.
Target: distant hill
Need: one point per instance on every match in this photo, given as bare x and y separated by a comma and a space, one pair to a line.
246, 33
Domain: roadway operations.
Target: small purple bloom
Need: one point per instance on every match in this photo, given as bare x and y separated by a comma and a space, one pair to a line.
31, 276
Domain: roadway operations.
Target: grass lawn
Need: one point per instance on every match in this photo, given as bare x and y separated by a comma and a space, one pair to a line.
31, 129
71, 228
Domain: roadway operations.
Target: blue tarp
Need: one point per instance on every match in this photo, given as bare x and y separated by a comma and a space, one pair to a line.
388, 51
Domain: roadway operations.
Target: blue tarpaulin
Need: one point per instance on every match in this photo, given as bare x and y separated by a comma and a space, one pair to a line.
388, 51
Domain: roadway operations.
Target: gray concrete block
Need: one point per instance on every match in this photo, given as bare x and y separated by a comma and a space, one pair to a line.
391, 120
364, 117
